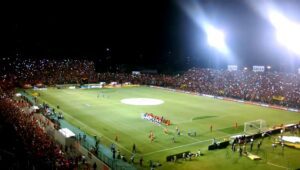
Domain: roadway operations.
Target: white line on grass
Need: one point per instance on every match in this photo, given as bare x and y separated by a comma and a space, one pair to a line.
279, 166
202, 141
150, 153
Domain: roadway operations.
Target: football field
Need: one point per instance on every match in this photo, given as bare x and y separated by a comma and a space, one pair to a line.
102, 112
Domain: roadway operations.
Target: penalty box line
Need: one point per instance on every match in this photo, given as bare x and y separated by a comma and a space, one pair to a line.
279, 166
176, 147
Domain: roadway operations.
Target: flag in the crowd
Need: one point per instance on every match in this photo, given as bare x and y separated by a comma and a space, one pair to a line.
279, 98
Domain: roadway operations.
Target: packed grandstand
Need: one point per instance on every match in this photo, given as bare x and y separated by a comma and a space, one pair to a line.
267, 87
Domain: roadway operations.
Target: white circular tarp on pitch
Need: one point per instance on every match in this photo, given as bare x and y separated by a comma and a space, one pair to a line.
142, 101
292, 139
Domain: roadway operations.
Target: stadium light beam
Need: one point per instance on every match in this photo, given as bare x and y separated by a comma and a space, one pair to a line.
216, 38
287, 31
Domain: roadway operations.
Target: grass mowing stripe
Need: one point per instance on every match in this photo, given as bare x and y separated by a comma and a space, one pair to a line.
202, 117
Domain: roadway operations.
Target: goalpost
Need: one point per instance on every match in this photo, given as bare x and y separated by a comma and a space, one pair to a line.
255, 126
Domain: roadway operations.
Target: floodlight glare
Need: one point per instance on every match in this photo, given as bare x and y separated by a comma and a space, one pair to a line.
216, 39
287, 32
290, 39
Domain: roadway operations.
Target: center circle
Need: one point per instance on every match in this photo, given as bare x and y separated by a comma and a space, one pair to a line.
142, 101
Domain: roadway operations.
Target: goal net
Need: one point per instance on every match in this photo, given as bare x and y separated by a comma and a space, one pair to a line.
255, 126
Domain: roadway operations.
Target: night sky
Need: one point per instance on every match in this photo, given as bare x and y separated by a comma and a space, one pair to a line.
151, 34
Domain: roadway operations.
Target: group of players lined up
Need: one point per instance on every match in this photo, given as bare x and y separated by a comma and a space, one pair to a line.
156, 119
166, 131
159, 120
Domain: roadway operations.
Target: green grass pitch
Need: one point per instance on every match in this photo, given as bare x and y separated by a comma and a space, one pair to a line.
105, 116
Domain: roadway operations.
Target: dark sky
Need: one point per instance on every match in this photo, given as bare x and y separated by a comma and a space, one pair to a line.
151, 33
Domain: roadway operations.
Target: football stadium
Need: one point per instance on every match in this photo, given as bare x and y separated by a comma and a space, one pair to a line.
195, 121
166, 85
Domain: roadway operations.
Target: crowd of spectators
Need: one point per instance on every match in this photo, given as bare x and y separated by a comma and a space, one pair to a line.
50, 72
40, 151
11, 148
267, 87
143, 79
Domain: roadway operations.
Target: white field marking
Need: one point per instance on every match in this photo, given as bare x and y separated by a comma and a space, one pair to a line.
202, 141
94, 131
150, 153
142, 101
279, 166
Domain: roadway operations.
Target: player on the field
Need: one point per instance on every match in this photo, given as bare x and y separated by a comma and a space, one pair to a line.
116, 138
151, 136
165, 130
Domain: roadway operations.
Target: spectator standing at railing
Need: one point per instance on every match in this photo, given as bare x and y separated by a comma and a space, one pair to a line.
94, 166
133, 148
141, 161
